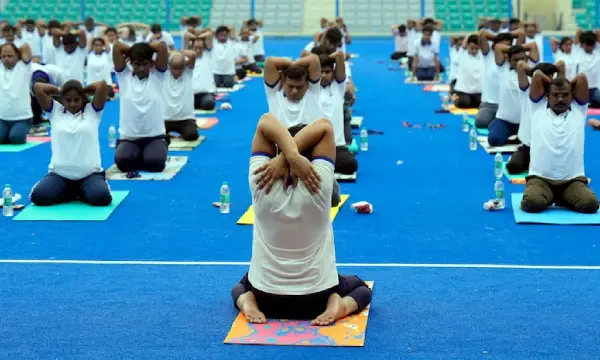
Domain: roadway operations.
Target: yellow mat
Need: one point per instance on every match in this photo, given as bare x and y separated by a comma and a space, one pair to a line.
248, 217
349, 331
456, 111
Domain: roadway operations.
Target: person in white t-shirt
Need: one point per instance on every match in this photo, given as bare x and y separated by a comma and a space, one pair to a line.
426, 62
29, 33
75, 171
491, 81
533, 35
226, 53
400, 42
203, 84
293, 89
247, 43
9, 33
293, 272
179, 96
556, 171
508, 116
129, 35
519, 160
99, 63
71, 52
587, 54
157, 34
48, 49
333, 87
92, 28
143, 144
470, 75
258, 48
563, 51
45, 74
15, 104
456, 43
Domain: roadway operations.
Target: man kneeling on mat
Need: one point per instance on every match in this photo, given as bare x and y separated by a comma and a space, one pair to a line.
75, 168
556, 172
293, 273
179, 95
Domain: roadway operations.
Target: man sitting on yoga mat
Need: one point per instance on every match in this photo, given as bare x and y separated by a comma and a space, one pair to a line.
400, 42
293, 272
470, 74
332, 102
508, 116
179, 95
519, 161
556, 172
204, 85
426, 63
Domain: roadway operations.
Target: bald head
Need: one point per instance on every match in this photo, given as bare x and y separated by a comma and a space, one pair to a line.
177, 64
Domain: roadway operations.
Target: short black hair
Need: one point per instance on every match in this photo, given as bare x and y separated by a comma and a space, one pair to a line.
565, 40
110, 29
98, 39
428, 21
496, 21
221, 29
514, 21
473, 39
295, 72
252, 22
503, 37
15, 48
548, 69
402, 28
192, 21
53, 24
427, 29
9, 28
588, 38
155, 28
29, 22
334, 35
141, 52
74, 85
515, 49
326, 61
558, 82
69, 39
318, 50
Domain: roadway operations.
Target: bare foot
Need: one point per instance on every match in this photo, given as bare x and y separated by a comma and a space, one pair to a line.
337, 308
594, 123
247, 305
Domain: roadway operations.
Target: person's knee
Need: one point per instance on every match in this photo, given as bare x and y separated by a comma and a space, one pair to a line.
228, 81
208, 103
346, 163
190, 133
495, 139
125, 161
483, 119
17, 138
363, 296
42, 197
99, 197
155, 162
533, 203
518, 162
463, 102
587, 203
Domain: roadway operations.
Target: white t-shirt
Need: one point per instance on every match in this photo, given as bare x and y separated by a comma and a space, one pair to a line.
18, 42
332, 103
204, 81
179, 96
291, 113
524, 133
142, 104
33, 40
557, 141
570, 61
99, 67
400, 42
48, 50
417, 36
588, 64
426, 54
53, 72
258, 48
509, 105
293, 251
75, 143
454, 64
246, 50
539, 40
491, 82
95, 33
470, 73
15, 99
224, 56
164, 37
72, 64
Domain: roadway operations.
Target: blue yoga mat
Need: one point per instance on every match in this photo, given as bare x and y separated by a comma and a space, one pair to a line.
553, 215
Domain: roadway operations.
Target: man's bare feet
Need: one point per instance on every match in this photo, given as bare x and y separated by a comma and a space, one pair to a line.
337, 308
247, 305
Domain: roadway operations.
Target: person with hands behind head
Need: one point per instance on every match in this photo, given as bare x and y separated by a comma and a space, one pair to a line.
71, 52
556, 169
143, 144
75, 171
292, 272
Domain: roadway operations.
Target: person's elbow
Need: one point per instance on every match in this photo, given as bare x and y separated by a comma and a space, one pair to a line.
38, 88
325, 124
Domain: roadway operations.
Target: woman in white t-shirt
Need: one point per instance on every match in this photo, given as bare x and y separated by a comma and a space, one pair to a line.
45, 74
469, 79
71, 52
30, 34
225, 55
563, 51
99, 63
203, 84
75, 171
179, 96
15, 104
143, 144
587, 55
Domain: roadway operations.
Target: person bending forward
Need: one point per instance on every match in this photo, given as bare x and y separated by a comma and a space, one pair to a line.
293, 273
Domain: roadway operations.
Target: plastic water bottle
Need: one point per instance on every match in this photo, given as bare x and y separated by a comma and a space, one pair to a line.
499, 190
225, 205
112, 136
364, 140
473, 140
7, 201
465, 127
498, 164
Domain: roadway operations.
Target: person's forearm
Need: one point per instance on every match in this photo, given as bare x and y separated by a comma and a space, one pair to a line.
274, 132
310, 136
306, 61
281, 63
47, 89
159, 46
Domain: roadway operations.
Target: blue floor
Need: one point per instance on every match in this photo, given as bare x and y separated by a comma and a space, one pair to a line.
428, 210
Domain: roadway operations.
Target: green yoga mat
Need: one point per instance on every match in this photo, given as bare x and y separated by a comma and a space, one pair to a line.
72, 211
20, 147
480, 131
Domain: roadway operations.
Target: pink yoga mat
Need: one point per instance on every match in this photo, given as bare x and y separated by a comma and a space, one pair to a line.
593, 111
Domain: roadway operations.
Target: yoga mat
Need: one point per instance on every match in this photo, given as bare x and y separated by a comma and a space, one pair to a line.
345, 178
41, 139
354, 56
417, 82
20, 147
593, 111
349, 331
220, 96
204, 112
553, 215
456, 111
504, 149
71, 211
174, 165
515, 178
480, 131
353, 148
356, 122
178, 144
250, 74
437, 88
235, 88
206, 123
248, 217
